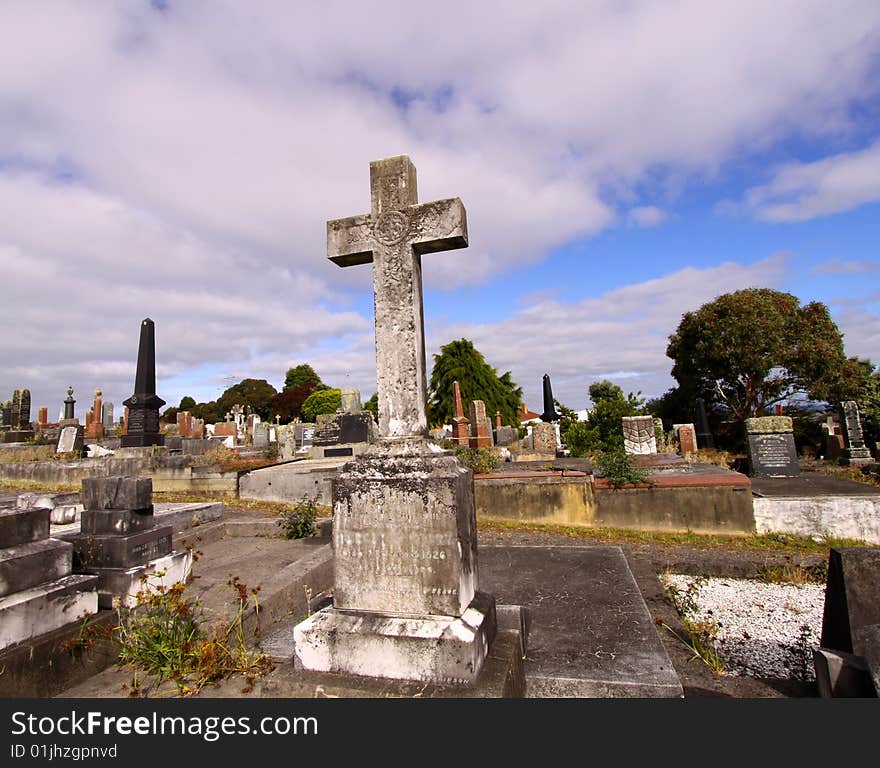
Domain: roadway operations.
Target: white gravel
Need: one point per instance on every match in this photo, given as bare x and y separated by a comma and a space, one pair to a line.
764, 630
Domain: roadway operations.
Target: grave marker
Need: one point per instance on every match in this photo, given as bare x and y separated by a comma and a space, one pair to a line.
639, 437
405, 599
143, 406
772, 451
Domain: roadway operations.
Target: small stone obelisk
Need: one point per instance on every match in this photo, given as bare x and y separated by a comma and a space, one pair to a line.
144, 404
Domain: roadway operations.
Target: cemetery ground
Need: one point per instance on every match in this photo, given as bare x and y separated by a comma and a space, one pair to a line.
244, 564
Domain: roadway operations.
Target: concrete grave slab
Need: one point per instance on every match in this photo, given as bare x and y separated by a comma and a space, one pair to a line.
590, 632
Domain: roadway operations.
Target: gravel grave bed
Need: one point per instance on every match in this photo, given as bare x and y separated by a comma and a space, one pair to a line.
764, 630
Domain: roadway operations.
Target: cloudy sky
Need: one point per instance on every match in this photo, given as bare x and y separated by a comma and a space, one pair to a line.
621, 163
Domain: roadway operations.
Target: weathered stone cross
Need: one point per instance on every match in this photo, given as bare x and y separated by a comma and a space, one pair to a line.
393, 236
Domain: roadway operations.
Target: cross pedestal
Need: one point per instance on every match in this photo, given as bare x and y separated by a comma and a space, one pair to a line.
406, 602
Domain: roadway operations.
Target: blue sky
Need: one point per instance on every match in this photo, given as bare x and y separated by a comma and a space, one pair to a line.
621, 164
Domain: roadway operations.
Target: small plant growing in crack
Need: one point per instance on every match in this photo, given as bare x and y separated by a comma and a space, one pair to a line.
702, 631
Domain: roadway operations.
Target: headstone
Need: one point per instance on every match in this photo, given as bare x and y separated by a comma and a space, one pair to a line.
856, 452
43, 417
7, 414
144, 404
24, 409
120, 543
833, 439
505, 436
639, 437
351, 401
261, 435
38, 592
16, 409
481, 436
70, 439
848, 662
772, 451
406, 602
687, 438
107, 418
305, 434
704, 435
549, 413
544, 438
286, 441
460, 422
338, 429
852, 597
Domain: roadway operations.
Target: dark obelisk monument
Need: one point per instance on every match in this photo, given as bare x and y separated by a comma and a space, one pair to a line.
144, 404
549, 408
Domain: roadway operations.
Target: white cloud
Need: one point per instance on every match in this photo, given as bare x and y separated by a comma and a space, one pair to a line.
182, 165
838, 267
621, 334
803, 191
645, 216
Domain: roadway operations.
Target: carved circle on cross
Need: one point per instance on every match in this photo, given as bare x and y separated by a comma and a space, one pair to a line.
391, 227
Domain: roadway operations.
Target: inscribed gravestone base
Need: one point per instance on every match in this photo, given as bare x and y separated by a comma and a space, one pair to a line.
406, 603
772, 451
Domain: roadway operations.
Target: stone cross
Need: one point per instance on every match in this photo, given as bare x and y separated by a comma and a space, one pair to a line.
393, 236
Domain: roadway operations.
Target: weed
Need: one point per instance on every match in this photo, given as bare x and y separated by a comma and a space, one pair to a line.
481, 461
702, 631
165, 636
299, 522
789, 573
617, 468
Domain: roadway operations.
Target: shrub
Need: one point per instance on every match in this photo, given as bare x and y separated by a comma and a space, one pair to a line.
299, 522
617, 468
479, 460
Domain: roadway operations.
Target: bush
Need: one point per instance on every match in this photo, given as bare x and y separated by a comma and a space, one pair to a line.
617, 468
321, 401
481, 461
299, 522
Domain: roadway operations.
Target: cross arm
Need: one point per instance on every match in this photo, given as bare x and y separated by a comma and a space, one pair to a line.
350, 241
439, 226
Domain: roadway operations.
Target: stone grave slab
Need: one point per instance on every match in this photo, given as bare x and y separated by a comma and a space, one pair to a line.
71, 439
590, 633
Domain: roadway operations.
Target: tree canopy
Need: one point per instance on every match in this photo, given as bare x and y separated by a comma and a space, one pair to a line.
186, 403
750, 349
604, 430
257, 393
460, 361
299, 375
321, 401
288, 403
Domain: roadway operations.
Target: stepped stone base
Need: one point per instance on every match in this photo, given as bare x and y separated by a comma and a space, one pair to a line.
28, 565
120, 586
35, 611
437, 649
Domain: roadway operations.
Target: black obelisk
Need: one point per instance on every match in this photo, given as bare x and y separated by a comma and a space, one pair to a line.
144, 404
549, 408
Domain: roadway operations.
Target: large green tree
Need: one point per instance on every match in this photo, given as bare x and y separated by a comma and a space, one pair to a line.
321, 401
257, 393
299, 375
750, 349
289, 402
460, 361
